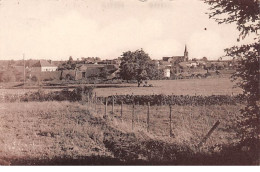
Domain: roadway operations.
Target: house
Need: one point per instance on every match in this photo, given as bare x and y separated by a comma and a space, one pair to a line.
167, 73
88, 71
177, 59
165, 63
43, 66
192, 64
201, 62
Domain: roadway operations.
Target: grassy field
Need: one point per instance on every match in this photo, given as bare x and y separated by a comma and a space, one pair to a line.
210, 86
76, 133
190, 123
30, 130
34, 134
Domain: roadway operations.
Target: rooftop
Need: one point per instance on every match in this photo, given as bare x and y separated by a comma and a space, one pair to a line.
43, 63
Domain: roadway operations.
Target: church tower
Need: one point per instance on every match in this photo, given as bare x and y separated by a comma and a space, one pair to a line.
186, 54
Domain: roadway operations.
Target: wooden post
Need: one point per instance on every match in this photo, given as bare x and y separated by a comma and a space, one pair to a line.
122, 110
171, 121
88, 98
113, 103
148, 117
23, 72
95, 101
208, 134
133, 116
106, 107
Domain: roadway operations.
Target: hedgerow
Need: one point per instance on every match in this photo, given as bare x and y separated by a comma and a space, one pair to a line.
175, 99
83, 93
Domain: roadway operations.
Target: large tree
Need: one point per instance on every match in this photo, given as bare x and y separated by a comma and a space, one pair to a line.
246, 15
135, 66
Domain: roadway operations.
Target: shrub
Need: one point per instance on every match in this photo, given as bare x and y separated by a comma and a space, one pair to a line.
65, 95
34, 78
69, 77
176, 99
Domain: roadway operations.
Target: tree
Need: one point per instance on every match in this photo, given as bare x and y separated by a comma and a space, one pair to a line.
154, 72
204, 59
246, 15
104, 73
69, 65
135, 66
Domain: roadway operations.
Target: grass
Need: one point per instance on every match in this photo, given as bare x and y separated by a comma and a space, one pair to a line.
48, 130
59, 133
75, 133
190, 123
222, 86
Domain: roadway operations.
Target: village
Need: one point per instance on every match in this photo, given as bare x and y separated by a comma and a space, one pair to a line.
93, 68
140, 82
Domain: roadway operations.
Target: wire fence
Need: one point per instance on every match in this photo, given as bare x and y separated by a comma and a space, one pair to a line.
150, 118
161, 120
183, 122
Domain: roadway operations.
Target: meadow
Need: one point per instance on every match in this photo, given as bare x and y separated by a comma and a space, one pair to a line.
189, 123
76, 133
205, 87
79, 133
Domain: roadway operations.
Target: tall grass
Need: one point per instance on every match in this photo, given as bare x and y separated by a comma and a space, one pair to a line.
48, 130
51, 130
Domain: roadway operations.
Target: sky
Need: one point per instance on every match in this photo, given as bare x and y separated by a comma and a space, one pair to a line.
57, 29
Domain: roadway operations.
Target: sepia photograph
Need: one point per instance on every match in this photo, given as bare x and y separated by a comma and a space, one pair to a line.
129, 82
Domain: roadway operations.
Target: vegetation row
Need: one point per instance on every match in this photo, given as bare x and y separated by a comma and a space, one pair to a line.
175, 99
86, 94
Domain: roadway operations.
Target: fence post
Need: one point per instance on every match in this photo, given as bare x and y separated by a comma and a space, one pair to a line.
121, 110
171, 121
148, 117
88, 98
113, 103
133, 116
106, 107
208, 134
95, 101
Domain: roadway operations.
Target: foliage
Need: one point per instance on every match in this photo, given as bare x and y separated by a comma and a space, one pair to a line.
7, 76
78, 94
181, 100
34, 78
11, 75
106, 71
69, 65
69, 77
153, 72
138, 66
246, 15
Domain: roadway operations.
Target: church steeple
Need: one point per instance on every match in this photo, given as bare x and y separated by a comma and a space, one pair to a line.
186, 54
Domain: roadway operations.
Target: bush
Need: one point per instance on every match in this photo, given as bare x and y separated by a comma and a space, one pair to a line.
69, 77
77, 94
176, 99
34, 79
8, 76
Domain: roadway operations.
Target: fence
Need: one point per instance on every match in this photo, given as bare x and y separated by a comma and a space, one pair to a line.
161, 120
